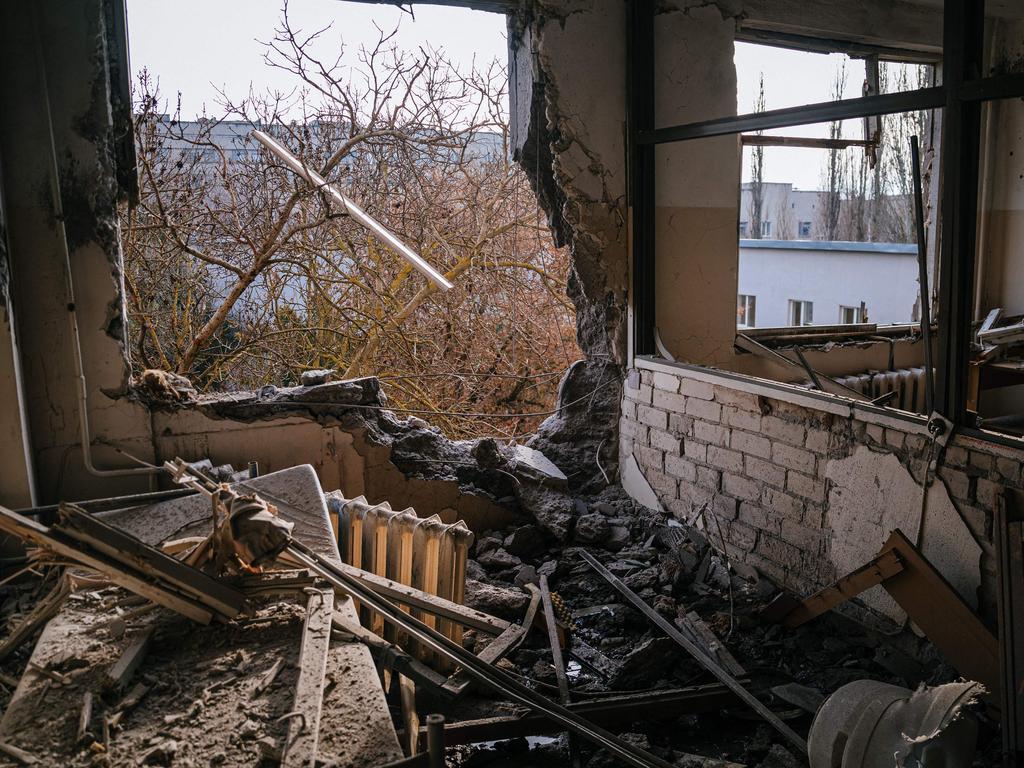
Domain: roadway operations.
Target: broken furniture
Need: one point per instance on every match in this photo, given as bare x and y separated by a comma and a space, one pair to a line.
868, 724
928, 599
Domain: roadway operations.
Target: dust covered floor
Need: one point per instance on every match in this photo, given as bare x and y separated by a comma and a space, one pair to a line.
200, 705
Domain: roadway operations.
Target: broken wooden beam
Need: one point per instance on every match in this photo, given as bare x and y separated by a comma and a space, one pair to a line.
872, 573
120, 674
124, 547
304, 720
946, 620
127, 575
500, 646
697, 652
609, 711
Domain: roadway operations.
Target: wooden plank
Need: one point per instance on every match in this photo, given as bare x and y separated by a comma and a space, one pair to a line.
304, 725
939, 611
697, 653
438, 606
874, 572
559, 661
500, 646
608, 711
125, 548
120, 574
416, 598
715, 647
118, 676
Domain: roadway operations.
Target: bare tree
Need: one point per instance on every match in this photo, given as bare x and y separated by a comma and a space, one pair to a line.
830, 198
756, 208
241, 274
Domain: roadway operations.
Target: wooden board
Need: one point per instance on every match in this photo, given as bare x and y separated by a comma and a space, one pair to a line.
417, 598
126, 548
869, 575
120, 574
939, 611
304, 726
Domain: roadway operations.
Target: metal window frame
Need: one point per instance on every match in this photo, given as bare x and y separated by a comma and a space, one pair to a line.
960, 96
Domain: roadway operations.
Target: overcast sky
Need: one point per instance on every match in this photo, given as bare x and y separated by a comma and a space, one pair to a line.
198, 46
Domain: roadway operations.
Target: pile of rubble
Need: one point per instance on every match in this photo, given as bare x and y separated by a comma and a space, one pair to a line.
223, 624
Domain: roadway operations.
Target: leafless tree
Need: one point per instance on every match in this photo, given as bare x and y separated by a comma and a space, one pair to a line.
240, 274
757, 173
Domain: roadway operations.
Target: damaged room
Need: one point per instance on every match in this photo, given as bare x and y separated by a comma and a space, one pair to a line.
512, 383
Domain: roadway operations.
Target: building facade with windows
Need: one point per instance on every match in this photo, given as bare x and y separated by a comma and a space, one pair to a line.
785, 282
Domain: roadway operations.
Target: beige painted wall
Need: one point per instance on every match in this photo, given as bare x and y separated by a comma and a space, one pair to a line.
697, 187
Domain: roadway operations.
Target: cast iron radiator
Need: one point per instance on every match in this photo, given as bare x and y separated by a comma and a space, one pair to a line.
424, 553
908, 383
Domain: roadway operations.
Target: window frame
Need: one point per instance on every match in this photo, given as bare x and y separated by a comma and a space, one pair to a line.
960, 96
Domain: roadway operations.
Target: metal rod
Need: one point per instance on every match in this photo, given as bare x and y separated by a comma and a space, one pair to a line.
353, 210
922, 273
490, 676
113, 502
753, 140
697, 653
846, 109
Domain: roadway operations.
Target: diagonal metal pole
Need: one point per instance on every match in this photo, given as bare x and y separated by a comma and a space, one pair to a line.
922, 273
488, 675
697, 653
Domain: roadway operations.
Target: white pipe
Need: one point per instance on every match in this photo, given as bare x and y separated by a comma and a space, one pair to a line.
76, 341
354, 210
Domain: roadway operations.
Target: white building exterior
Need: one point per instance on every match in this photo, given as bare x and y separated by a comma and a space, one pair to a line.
843, 282
786, 213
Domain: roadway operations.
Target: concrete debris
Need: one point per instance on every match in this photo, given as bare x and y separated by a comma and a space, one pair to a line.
164, 387
316, 376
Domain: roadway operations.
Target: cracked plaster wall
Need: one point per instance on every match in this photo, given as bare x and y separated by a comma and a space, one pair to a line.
54, 59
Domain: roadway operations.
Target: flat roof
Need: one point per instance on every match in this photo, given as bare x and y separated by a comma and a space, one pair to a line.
831, 245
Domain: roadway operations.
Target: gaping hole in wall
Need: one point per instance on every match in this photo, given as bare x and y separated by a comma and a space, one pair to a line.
240, 274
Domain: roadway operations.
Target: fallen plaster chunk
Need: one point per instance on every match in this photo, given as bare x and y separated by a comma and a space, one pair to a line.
636, 485
532, 462
868, 724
